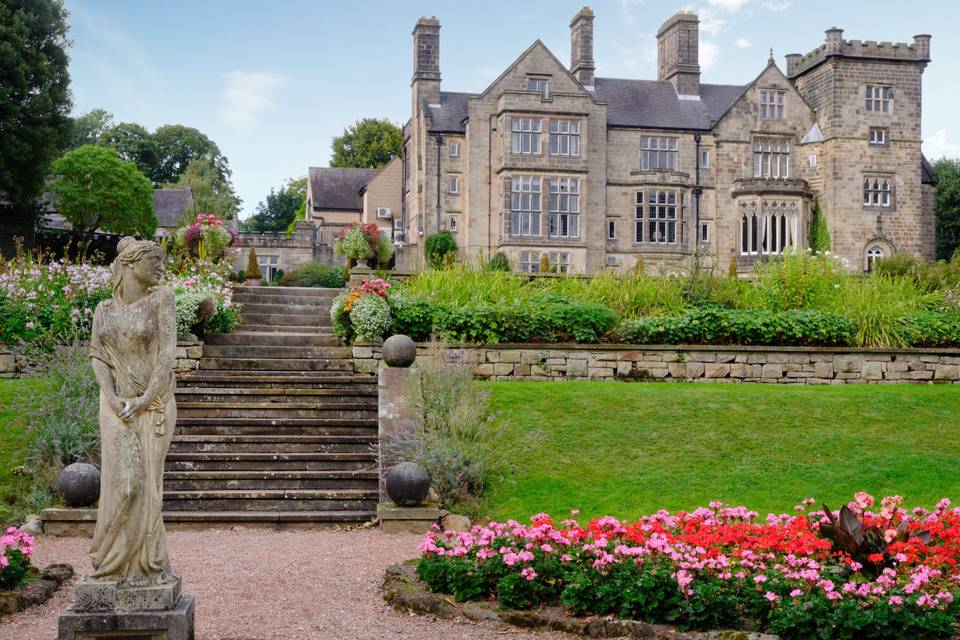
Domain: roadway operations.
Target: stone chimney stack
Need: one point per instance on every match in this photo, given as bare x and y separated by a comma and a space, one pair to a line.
793, 60
581, 46
834, 41
425, 84
921, 45
678, 52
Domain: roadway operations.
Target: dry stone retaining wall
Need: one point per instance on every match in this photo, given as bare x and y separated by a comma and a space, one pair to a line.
784, 365
188, 354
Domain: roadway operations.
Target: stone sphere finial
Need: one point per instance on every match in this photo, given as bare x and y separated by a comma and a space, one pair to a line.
407, 484
399, 351
79, 484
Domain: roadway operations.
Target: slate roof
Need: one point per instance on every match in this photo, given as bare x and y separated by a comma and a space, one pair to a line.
170, 205
449, 116
656, 104
927, 176
338, 189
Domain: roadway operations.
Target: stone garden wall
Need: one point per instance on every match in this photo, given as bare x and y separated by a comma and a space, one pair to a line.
785, 365
188, 358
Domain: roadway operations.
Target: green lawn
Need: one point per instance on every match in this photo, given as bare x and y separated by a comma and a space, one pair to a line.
625, 448
11, 439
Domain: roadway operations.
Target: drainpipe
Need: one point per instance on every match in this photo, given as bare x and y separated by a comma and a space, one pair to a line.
490, 129
697, 190
439, 148
403, 190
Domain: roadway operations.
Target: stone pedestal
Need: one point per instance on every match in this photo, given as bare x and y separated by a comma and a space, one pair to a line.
394, 519
108, 611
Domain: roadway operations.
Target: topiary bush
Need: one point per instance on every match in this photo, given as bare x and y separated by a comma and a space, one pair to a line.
317, 274
499, 262
253, 266
437, 246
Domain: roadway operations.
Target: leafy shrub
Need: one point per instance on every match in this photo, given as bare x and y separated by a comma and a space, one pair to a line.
798, 280
411, 317
880, 308
340, 318
437, 246
198, 282
935, 329
316, 274
548, 320
499, 262
370, 317
715, 325
240, 276
819, 232
253, 266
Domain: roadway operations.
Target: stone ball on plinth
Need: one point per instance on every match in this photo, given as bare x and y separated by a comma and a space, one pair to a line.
399, 351
407, 484
79, 484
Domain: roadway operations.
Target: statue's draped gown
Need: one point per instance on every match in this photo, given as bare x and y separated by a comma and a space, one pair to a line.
134, 341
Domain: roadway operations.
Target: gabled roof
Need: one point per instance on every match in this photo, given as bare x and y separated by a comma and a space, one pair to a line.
338, 189
450, 115
927, 174
170, 205
656, 103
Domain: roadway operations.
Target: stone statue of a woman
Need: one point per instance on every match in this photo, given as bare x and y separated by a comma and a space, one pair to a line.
133, 348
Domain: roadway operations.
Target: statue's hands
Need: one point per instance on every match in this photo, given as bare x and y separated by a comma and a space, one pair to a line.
131, 408
116, 403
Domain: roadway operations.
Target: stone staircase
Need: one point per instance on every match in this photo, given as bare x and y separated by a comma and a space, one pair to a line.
274, 427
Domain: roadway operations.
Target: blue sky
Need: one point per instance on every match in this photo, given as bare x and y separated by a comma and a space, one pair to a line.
272, 83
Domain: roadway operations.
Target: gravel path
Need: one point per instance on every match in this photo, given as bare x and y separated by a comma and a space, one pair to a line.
261, 585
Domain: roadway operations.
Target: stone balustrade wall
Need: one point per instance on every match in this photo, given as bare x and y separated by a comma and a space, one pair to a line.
784, 365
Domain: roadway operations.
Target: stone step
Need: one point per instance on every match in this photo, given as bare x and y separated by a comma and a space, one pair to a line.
357, 461
246, 326
287, 364
259, 395
286, 292
270, 500
270, 443
278, 519
283, 427
274, 338
277, 317
273, 352
230, 414
286, 308
271, 379
227, 480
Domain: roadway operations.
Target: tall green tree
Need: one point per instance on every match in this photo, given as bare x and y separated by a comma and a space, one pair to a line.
819, 240
177, 146
95, 189
279, 210
369, 144
947, 172
88, 127
211, 192
133, 143
34, 108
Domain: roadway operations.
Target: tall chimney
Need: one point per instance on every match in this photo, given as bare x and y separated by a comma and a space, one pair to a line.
678, 45
581, 46
425, 84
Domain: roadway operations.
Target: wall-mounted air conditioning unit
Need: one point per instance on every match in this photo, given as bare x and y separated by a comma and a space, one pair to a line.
384, 212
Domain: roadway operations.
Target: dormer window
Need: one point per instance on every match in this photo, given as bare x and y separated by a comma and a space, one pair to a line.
539, 85
771, 105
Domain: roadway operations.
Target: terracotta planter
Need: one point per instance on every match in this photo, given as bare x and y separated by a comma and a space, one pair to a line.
253, 282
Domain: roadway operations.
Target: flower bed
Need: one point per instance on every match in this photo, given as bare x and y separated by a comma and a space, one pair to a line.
16, 547
362, 312
853, 574
46, 303
204, 298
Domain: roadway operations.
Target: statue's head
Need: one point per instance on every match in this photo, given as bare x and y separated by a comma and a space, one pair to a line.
141, 260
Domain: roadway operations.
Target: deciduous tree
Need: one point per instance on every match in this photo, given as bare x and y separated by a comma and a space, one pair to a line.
947, 172
95, 189
177, 146
88, 127
133, 143
279, 210
369, 144
212, 193
34, 108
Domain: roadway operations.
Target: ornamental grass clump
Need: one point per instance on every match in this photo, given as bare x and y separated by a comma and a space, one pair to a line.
720, 567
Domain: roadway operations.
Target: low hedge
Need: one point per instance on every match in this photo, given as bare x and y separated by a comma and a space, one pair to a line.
543, 321
935, 329
315, 274
716, 325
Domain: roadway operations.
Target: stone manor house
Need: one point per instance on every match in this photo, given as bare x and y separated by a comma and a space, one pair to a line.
601, 172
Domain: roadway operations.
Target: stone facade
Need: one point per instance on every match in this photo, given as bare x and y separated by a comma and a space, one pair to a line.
276, 250
785, 365
188, 355
736, 183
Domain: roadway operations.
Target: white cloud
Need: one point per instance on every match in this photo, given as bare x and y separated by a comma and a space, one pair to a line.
708, 54
247, 94
731, 6
938, 146
743, 43
778, 6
